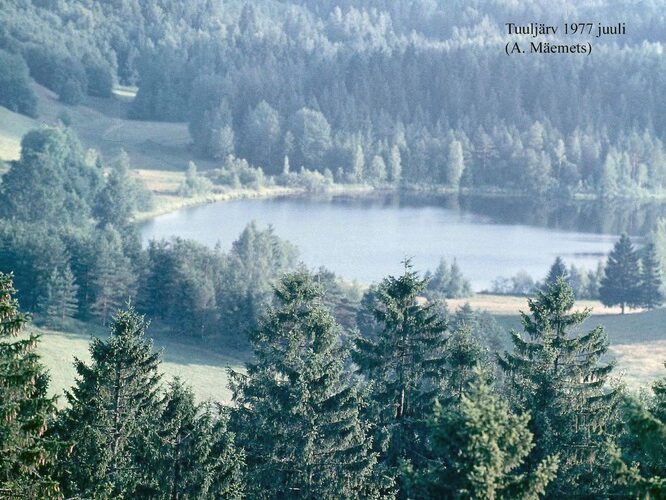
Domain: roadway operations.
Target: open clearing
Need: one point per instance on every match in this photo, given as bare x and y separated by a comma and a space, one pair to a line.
640, 363
512, 305
202, 368
637, 339
12, 127
158, 151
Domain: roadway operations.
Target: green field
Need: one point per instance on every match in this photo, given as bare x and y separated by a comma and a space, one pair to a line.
158, 151
204, 369
12, 127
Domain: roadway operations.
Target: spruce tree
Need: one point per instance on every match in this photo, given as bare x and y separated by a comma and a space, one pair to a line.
650, 280
479, 450
621, 282
111, 277
554, 372
458, 286
440, 279
659, 403
27, 454
557, 270
196, 456
297, 413
640, 458
404, 363
640, 466
61, 300
111, 417
465, 360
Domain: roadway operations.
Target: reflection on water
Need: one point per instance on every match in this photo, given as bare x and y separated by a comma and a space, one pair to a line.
603, 216
365, 238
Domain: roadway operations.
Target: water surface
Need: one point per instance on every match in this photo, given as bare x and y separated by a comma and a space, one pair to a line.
366, 238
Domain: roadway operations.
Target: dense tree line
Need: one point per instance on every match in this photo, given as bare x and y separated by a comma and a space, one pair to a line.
66, 233
421, 413
385, 94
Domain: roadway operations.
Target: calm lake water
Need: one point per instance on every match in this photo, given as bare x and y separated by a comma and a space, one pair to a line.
366, 238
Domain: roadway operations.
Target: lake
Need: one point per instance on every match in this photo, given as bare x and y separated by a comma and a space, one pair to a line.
366, 238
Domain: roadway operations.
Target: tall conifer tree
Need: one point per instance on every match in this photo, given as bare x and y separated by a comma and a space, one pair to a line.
621, 282
650, 282
465, 360
196, 456
61, 295
557, 270
640, 464
478, 450
112, 413
554, 372
27, 455
298, 409
405, 363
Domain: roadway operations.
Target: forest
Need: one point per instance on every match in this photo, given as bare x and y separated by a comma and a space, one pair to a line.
413, 407
408, 93
346, 390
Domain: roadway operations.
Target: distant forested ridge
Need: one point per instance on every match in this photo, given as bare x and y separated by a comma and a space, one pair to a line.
387, 93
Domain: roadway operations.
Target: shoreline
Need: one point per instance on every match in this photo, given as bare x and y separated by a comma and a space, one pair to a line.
175, 203
168, 202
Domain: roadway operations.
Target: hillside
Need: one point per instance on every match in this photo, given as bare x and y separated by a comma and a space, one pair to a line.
204, 369
158, 151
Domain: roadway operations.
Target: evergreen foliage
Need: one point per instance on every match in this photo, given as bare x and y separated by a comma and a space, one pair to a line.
480, 449
483, 326
640, 468
61, 295
112, 278
650, 278
555, 372
447, 282
621, 282
321, 81
27, 453
404, 363
298, 409
466, 362
196, 455
111, 415
556, 271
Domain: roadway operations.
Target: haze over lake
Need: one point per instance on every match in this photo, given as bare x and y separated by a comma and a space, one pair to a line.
366, 238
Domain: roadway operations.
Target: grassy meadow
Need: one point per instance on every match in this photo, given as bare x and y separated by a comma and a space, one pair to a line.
638, 346
637, 339
204, 369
